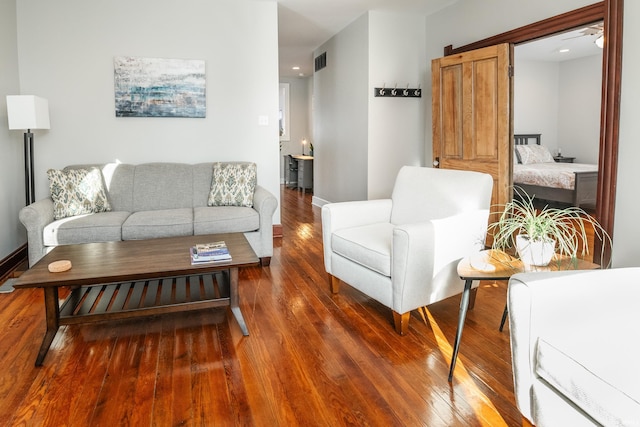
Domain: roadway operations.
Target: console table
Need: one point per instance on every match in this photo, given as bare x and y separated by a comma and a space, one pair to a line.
304, 173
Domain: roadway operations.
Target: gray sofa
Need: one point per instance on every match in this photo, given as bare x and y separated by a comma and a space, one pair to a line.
149, 201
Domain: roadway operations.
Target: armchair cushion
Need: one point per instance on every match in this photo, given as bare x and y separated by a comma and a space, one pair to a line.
367, 245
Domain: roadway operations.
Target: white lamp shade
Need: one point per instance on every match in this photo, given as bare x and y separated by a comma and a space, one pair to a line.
27, 112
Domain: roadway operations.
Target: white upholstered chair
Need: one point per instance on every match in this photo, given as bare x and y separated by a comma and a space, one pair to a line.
574, 347
403, 251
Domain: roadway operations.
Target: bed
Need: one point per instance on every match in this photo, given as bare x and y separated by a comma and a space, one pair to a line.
536, 172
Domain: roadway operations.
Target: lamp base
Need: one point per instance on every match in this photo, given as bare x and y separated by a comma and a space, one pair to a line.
29, 185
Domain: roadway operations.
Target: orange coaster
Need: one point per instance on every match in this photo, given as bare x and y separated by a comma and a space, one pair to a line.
60, 266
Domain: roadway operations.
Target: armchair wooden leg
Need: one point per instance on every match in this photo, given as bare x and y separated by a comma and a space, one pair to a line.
334, 284
401, 322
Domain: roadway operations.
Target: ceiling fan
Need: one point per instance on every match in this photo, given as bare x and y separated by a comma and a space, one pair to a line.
596, 30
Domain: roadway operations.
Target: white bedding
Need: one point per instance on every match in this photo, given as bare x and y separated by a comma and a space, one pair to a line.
555, 175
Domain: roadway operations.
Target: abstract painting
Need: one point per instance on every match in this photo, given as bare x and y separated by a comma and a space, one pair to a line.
156, 87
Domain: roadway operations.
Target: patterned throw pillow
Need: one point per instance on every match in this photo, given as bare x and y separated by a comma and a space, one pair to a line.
77, 192
233, 184
530, 154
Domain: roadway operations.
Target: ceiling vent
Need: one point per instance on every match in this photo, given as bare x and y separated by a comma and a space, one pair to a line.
320, 61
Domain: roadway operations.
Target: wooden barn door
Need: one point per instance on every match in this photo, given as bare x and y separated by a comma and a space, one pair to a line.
472, 108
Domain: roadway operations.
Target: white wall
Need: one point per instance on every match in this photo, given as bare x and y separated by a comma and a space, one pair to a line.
580, 99
340, 96
535, 100
396, 131
12, 233
66, 50
560, 100
362, 141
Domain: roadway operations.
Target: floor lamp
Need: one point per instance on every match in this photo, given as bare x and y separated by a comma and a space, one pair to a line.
28, 112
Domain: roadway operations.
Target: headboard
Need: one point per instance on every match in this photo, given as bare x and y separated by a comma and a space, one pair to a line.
524, 139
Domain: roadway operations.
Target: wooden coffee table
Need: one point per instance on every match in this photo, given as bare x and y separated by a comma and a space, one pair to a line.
120, 280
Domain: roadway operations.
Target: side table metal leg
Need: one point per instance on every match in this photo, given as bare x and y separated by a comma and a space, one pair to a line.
235, 299
504, 316
464, 306
52, 309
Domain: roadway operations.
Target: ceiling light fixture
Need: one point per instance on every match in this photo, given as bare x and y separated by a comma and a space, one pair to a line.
600, 41
296, 68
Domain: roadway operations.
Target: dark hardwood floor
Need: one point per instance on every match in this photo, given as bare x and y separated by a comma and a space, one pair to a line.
312, 358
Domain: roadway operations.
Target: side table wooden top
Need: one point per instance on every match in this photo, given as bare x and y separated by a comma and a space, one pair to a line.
497, 265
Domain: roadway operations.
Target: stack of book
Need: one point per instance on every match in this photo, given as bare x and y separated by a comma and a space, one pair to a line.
203, 253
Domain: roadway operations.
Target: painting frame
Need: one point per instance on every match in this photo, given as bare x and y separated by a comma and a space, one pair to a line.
159, 87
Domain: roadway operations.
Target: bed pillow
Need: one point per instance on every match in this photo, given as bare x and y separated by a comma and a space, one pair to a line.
77, 192
530, 154
233, 184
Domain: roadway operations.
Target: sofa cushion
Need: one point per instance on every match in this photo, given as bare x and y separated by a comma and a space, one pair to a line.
158, 223
77, 192
225, 219
158, 186
233, 184
368, 245
99, 227
202, 177
587, 373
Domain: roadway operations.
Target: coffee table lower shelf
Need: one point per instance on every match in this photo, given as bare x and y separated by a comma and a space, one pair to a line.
113, 301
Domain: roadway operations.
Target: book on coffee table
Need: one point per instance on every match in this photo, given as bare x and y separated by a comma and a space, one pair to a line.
210, 249
197, 258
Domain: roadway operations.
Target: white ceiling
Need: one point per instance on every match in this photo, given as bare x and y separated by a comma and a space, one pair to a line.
548, 49
304, 25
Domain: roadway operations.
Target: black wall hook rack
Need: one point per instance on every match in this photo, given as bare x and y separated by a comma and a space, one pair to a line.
396, 92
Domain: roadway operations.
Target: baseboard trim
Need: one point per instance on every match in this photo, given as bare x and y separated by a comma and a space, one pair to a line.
13, 261
317, 201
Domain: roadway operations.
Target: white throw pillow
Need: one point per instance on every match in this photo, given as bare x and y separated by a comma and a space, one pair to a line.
530, 154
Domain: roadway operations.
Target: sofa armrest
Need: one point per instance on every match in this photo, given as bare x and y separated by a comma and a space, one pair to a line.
336, 216
265, 203
35, 217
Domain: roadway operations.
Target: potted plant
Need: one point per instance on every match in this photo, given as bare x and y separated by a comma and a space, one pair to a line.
537, 234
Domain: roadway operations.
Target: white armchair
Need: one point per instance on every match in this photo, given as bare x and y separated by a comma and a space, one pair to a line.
574, 347
403, 251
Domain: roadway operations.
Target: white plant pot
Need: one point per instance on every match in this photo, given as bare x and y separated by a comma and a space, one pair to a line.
538, 253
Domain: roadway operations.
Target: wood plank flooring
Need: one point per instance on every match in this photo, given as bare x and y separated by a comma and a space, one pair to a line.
312, 358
